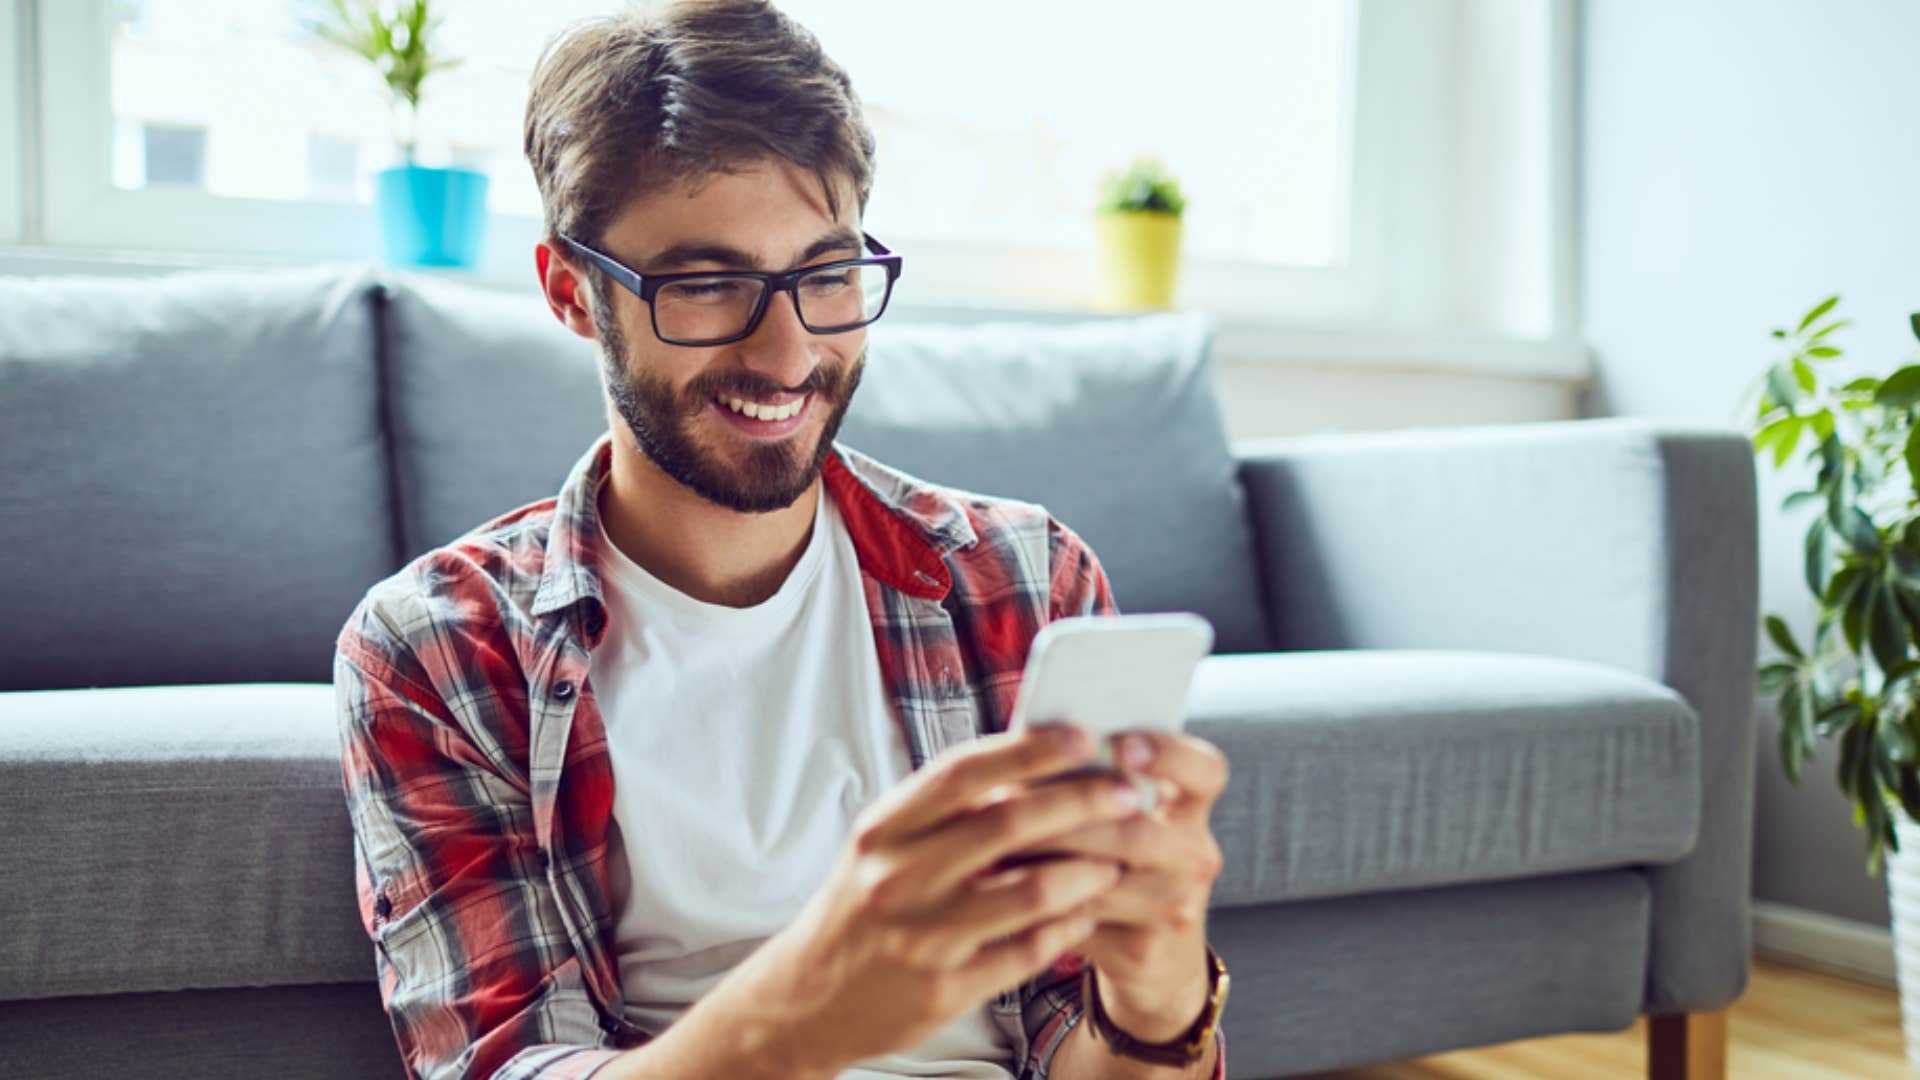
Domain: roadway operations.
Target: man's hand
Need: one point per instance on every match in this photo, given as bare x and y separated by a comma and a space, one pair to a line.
1149, 952
918, 921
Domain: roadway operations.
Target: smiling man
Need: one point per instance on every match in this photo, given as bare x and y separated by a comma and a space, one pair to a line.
659, 777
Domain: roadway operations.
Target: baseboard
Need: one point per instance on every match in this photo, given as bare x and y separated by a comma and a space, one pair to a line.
1822, 942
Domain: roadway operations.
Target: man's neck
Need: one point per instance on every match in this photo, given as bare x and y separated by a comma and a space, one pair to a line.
709, 552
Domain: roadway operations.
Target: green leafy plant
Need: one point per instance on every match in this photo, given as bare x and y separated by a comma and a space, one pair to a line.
1859, 677
396, 38
1144, 185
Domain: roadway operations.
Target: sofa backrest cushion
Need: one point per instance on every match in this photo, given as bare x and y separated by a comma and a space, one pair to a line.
493, 401
196, 484
1113, 425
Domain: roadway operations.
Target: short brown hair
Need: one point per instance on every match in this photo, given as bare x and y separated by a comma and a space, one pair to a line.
625, 104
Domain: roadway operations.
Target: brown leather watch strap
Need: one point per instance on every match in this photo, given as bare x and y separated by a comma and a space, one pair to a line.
1186, 1048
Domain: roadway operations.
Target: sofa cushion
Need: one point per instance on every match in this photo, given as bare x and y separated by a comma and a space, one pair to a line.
1093, 420
196, 479
175, 837
1370, 771
1112, 425
493, 401
205, 829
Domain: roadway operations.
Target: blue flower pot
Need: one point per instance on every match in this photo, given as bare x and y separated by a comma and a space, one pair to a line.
432, 217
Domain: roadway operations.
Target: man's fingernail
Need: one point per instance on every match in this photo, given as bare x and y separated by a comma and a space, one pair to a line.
1136, 751
1069, 737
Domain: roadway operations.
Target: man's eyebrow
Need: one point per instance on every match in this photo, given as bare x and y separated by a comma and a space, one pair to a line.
680, 256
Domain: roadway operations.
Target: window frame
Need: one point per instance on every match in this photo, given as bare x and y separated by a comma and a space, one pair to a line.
1397, 243
13, 110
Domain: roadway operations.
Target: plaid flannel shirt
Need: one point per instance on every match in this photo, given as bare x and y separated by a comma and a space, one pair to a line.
476, 769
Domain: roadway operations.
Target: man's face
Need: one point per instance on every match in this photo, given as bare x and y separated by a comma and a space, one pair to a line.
682, 402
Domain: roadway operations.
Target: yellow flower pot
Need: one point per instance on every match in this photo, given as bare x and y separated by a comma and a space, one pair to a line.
1139, 259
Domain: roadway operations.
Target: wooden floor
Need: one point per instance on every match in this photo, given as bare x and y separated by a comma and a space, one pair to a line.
1790, 1025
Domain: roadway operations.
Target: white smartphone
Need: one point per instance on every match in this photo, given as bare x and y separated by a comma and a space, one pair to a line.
1111, 674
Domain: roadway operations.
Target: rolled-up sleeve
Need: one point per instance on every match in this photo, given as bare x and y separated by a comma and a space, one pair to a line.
474, 964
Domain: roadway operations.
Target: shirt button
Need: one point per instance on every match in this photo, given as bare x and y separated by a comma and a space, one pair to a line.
382, 907
563, 689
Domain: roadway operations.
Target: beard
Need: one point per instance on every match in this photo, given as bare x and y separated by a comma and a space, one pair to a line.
771, 476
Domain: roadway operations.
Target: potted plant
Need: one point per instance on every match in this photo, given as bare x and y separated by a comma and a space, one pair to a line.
428, 216
1137, 227
1858, 678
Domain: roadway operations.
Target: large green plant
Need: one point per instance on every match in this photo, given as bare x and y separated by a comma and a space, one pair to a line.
396, 38
1859, 677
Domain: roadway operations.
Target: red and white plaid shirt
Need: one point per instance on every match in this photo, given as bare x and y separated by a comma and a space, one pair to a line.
476, 768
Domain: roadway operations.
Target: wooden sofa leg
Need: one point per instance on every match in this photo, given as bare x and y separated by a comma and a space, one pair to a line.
1687, 1046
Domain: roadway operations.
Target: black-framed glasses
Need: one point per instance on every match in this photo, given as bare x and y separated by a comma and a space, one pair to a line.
720, 307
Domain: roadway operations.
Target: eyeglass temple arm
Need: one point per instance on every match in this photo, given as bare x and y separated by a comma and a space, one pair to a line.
620, 273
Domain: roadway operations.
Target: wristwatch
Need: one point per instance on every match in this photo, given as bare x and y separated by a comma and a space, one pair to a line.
1185, 1049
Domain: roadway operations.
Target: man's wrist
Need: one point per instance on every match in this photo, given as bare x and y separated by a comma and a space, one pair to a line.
1160, 1017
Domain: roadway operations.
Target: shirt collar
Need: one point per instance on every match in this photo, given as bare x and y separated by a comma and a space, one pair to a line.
902, 529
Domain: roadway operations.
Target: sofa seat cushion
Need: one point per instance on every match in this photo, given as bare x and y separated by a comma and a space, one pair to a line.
188, 837
165, 838
1364, 771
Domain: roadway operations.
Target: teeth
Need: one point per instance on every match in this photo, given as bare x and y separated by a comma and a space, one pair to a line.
761, 412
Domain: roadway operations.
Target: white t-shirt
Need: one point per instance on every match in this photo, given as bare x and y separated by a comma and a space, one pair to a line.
743, 742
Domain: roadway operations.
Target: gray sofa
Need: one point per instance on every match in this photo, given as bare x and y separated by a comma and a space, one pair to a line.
1485, 691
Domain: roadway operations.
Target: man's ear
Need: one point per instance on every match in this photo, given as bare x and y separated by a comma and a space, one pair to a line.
568, 294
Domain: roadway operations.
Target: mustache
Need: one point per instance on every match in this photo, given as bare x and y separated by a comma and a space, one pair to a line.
827, 380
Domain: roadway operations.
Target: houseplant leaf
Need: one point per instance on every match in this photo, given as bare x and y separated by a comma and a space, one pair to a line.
1853, 617
1798, 499
1782, 637
1821, 423
1833, 716
1886, 630
1784, 431
1912, 454
1896, 743
1792, 737
1777, 676
1803, 374
1819, 551
1781, 385
1840, 585
1819, 309
1904, 564
1900, 389
1848, 771
1859, 530
1909, 792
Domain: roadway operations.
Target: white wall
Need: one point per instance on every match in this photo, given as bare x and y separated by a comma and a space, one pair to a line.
1742, 159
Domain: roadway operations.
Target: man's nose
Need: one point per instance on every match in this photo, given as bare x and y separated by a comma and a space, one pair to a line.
781, 348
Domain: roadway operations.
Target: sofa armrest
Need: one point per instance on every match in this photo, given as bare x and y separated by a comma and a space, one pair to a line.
1620, 541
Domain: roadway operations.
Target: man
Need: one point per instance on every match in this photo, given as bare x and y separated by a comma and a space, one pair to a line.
647, 780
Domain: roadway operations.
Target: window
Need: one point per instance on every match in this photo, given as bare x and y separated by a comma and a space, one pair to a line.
333, 167
13, 158
171, 155
1314, 138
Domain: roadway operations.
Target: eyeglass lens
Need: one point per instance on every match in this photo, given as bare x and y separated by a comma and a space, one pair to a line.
719, 307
